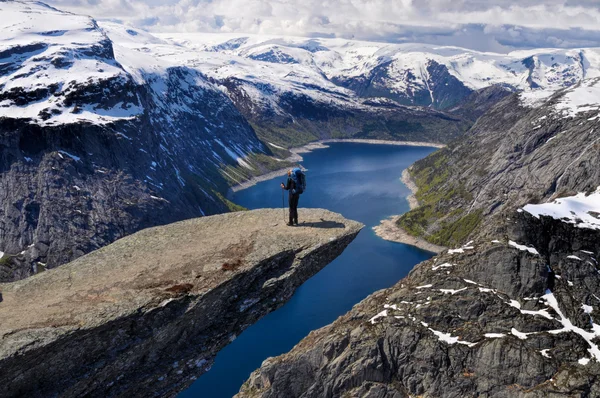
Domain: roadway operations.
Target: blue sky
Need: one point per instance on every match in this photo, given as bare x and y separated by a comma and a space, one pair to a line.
492, 25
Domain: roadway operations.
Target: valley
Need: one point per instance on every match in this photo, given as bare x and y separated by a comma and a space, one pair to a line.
130, 263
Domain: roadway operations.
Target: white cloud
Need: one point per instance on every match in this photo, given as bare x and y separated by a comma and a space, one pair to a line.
481, 24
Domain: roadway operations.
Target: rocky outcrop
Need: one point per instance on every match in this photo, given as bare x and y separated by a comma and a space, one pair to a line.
147, 314
512, 317
294, 118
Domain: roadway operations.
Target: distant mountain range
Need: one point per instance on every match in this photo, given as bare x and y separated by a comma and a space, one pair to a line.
410, 74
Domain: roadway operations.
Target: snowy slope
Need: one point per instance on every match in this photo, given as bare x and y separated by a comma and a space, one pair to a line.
581, 210
48, 58
59, 68
99, 140
403, 70
46, 55
582, 97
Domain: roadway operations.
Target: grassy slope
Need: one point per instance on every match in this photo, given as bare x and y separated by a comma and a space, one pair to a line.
442, 217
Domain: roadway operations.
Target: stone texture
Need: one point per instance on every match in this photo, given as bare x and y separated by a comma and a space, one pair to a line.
512, 156
400, 355
148, 313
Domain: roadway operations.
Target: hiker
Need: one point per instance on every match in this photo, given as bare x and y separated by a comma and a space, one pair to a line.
296, 183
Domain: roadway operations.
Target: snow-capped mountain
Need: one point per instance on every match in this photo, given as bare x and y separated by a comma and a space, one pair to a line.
51, 60
98, 142
412, 74
288, 86
286, 96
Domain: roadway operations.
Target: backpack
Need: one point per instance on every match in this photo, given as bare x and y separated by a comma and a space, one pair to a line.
299, 179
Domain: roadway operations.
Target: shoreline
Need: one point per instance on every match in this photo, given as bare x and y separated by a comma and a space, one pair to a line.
390, 231
296, 157
413, 203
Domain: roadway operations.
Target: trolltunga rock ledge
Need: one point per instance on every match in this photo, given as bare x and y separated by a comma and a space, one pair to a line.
148, 313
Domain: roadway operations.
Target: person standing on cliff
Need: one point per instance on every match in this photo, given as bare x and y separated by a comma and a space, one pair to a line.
292, 186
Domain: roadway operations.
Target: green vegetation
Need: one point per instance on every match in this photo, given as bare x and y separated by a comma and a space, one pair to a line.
455, 233
265, 163
440, 217
292, 135
386, 125
5, 260
232, 207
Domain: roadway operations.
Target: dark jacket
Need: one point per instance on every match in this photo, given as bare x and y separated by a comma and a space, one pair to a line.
290, 186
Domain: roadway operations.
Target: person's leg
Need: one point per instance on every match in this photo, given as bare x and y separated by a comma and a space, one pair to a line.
291, 209
295, 207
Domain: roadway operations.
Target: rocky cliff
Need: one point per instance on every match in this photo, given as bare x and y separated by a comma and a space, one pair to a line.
147, 314
524, 150
510, 313
508, 317
106, 129
97, 142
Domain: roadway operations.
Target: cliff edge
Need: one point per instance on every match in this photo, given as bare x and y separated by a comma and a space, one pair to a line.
148, 313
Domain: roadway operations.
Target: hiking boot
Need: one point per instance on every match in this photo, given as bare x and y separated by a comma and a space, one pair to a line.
289, 224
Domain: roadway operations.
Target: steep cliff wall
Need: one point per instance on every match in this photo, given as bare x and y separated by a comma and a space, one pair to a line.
147, 314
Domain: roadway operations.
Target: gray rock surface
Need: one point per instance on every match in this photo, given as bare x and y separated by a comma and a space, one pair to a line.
512, 156
473, 324
147, 314
70, 185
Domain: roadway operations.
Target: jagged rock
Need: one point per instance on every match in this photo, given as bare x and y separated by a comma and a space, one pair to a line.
147, 314
477, 323
515, 154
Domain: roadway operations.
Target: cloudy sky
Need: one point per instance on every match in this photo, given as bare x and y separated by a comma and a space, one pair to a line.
493, 25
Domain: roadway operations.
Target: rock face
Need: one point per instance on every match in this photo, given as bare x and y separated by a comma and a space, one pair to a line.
492, 319
517, 153
147, 314
106, 130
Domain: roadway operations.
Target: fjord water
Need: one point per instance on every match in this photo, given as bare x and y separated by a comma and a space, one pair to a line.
362, 182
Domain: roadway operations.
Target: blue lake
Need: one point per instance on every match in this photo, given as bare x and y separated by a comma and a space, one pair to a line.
362, 182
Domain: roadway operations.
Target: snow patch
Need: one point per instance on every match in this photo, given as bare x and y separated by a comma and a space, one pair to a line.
569, 327
584, 361
581, 210
520, 335
276, 146
445, 265
495, 335
449, 339
452, 291
523, 247
382, 314
545, 353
